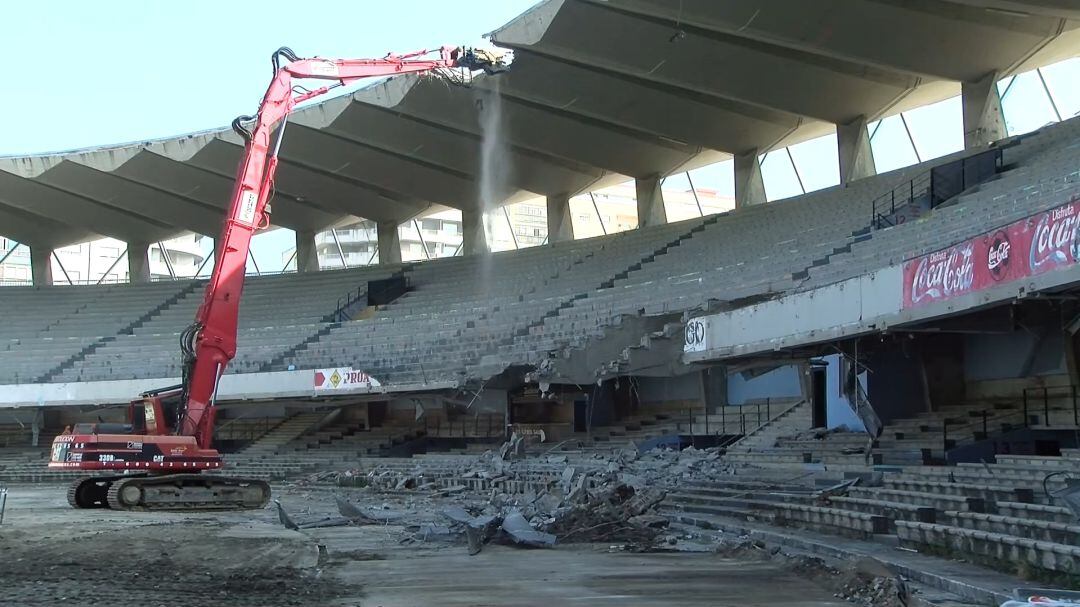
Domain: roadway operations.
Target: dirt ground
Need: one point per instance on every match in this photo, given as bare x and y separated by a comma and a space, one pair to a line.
53, 555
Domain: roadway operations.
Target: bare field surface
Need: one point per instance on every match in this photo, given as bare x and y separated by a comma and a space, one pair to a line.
51, 554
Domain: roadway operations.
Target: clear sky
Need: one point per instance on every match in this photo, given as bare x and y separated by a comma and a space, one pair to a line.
94, 73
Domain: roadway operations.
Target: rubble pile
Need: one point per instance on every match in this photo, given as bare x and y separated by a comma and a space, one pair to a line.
873, 591
505, 495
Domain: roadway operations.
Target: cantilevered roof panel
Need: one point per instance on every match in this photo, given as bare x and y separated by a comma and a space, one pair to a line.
601, 91
926, 38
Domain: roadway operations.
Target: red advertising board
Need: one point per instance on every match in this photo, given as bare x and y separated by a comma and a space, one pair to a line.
1040, 243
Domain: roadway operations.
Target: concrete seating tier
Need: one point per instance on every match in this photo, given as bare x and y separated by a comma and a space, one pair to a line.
1001, 548
1043, 174
273, 319
467, 318
992, 513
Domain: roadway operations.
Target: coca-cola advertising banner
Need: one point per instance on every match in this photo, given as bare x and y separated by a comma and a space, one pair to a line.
1035, 245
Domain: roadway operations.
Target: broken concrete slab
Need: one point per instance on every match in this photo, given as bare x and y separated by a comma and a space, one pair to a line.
521, 532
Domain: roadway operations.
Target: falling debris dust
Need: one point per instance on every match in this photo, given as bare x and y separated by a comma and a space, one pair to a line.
494, 160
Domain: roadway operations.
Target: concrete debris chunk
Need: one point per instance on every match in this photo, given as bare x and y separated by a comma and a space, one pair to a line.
286, 520
460, 515
521, 532
350, 511
513, 448
636, 481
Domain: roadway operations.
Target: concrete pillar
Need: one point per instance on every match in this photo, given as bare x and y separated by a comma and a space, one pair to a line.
389, 242
307, 256
138, 259
473, 234
749, 185
559, 223
856, 155
41, 265
650, 202
984, 120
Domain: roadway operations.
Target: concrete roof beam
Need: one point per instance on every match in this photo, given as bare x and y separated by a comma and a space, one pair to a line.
454, 151
662, 114
97, 216
410, 180
926, 38
28, 228
534, 128
390, 94
799, 83
217, 162
118, 190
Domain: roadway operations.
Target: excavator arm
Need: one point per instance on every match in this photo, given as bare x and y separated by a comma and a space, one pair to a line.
210, 342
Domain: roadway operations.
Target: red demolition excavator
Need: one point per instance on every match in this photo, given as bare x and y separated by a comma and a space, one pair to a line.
157, 460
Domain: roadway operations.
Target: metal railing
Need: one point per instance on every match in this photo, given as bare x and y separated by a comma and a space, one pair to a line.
737, 419
955, 434
1037, 399
3, 502
934, 187
987, 422
343, 303
883, 211
464, 427
245, 428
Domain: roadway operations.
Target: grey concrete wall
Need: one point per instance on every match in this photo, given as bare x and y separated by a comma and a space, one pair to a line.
896, 388
801, 319
1003, 356
834, 310
665, 389
233, 388
783, 382
838, 411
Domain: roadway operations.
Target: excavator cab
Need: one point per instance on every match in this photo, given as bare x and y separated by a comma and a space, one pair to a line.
155, 413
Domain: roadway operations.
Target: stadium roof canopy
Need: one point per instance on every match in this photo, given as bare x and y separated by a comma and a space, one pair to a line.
600, 91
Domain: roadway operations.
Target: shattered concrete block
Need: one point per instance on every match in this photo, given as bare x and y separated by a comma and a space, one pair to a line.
350, 511
654, 521
633, 480
460, 515
521, 532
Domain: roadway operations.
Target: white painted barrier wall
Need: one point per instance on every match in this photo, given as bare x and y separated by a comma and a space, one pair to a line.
241, 386
821, 314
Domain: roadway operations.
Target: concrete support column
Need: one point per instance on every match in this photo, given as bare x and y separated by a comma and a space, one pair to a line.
984, 121
650, 202
749, 185
41, 265
856, 155
559, 223
389, 242
307, 257
138, 259
473, 234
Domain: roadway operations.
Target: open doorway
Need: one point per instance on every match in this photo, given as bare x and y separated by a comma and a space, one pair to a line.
581, 412
819, 397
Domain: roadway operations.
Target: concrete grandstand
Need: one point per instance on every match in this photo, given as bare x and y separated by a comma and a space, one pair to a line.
915, 329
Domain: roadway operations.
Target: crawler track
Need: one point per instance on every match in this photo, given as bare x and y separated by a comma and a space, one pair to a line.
170, 492
90, 491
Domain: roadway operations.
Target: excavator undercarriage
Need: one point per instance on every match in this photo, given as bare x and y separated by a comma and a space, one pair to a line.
187, 492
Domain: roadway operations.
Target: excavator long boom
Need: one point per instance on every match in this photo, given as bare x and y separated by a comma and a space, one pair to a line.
210, 343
